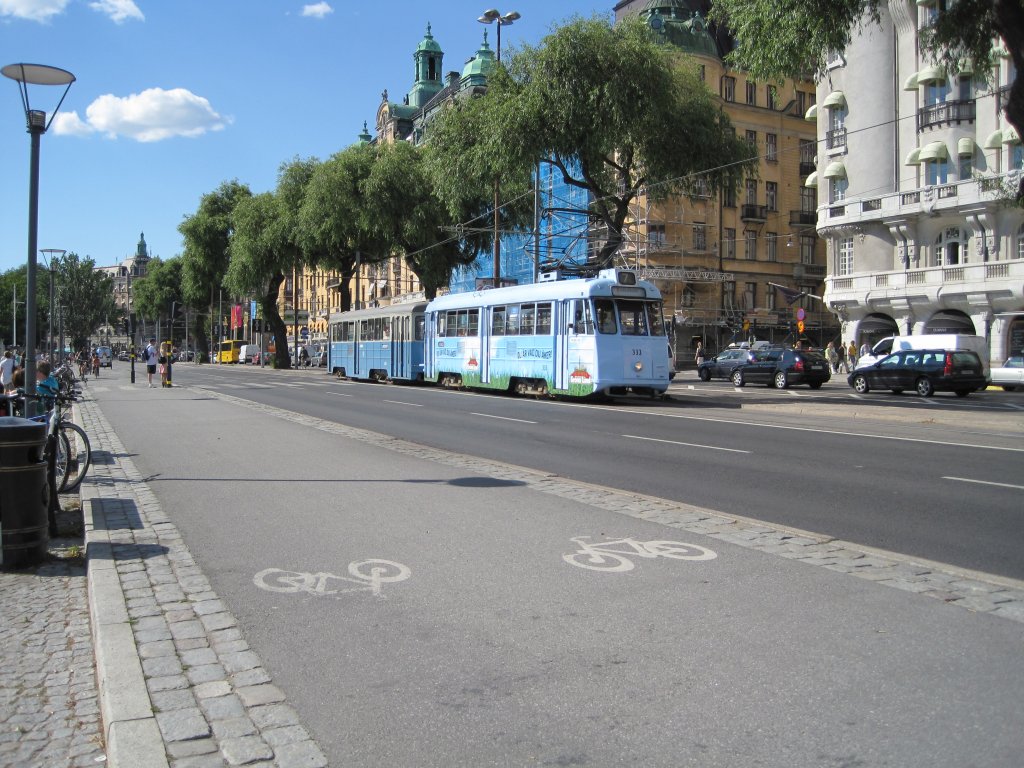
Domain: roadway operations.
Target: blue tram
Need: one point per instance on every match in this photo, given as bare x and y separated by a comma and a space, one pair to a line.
576, 337
380, 344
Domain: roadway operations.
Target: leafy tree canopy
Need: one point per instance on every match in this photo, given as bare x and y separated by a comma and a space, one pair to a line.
207, 234
87, 297
153, 294
615, 112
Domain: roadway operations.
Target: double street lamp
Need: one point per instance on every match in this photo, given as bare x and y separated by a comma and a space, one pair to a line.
25, 75
494, 16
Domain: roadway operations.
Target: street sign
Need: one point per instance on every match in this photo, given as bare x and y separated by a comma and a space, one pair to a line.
801, 314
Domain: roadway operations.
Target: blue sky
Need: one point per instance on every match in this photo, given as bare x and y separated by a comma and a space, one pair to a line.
175, 96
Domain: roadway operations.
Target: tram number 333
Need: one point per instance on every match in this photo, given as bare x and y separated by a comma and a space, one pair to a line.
368, 575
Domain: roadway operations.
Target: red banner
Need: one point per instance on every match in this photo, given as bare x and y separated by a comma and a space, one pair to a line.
237, 317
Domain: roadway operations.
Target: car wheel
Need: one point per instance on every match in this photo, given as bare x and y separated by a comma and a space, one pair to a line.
963, 392
897, 391
737, 378
781, 380
924, 387
815, 385
704, 374
860, 384
1008, 389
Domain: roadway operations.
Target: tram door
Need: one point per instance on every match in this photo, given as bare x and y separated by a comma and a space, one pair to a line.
563, 329
397, 348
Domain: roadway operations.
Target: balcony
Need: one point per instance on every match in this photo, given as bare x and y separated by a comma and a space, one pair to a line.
945, 113
835, 139
750, 212
803, 218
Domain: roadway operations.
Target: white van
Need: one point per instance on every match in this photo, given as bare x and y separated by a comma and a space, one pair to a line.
106, 355
247, 353
948, 341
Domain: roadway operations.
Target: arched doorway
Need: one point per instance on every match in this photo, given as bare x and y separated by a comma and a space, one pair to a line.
875, 327
950, 321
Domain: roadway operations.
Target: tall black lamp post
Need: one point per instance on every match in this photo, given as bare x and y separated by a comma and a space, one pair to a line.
494, 16
25, 75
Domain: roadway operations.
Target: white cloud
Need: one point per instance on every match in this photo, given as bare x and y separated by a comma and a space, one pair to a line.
32, 10
153, 115
70, 124
118, 10
318, 10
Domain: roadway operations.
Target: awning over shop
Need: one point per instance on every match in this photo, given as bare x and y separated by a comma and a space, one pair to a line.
994, 140
834, 99
812, 113
965, 146
873, 323
914, 158
835, 170
910, 84
936, 150
812, 180
949, 321
935, 73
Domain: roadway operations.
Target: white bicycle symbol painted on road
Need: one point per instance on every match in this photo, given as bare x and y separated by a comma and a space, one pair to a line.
614, 555
368, 574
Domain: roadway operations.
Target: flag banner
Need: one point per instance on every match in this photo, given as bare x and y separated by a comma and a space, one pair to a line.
791, 295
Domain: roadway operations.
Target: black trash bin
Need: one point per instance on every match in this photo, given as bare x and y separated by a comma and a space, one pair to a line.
24, 492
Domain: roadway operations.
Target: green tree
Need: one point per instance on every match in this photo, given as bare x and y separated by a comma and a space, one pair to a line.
404, 208
616, 113
207, 234
13, 284
787, 38
87, 297
155, 295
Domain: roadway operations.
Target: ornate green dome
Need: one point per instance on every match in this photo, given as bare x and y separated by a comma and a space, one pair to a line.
428, 43
681, 24
365, 137
479, 66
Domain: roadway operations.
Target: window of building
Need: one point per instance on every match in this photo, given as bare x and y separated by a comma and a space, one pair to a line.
844, 259
837, 189
773, 97
1020, 242
951, 247
729, 245
752, 138
966, 87
807, 243
769, 298
751, 192
771, 195
729, 197
751, 93
749, 295
801, 103
1016, 157
837, 117
808, 199
771, 147
936, 92
729, 294
700, 240
808, 151
936, 171
771, 244
966, 169
656, 235
750, 244
729, 88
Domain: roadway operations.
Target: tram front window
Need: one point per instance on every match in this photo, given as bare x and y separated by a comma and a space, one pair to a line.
605, 309
633, 315
654, 311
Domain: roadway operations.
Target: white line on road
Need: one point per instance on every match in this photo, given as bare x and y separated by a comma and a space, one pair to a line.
688, 445
340, 394
503, 418
399, 402
984, 482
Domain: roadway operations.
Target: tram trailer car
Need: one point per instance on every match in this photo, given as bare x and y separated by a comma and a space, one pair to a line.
379, 344
574, 337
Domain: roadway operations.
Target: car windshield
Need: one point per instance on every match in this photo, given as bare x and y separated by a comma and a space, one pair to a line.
1014, 362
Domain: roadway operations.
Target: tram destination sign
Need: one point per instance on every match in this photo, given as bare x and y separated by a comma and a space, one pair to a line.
690, 275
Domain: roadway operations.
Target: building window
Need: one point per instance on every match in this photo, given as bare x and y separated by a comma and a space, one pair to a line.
936, 92
837, 117
773, 97
936, 171
752, 138
729, 294
771, 195
801, 103
700, 241
751, 192
750, 244
656, 235
730, 243
728, 197
729, 88
751, 93
807, 243
750, 295
837, 189
769, 298
844, 260
951, 247
966, 169
772, 246
1016, 157
1020, 242
771, 147
808, 199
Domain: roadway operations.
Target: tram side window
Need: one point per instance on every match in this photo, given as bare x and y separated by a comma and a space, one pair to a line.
336, 332
348, 331
544, 319
498, 321
605, 309
512, 321
657, 322
419, 328
582, 319
442, 324
633, 316
527, 319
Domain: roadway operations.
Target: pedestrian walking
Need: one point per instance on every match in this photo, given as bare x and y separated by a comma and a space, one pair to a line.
865, 350
831, 357
851, 357
151, 356
7, 367
841, 358
166, 357
698, 357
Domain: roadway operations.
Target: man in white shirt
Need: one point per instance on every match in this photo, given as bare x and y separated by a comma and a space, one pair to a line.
6, 369
151, 356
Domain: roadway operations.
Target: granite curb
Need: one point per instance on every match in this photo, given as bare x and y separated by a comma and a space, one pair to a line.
179, 686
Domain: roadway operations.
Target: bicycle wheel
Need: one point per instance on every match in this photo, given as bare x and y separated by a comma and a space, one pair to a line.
599, 561
677, 550
79, 455
286, 582
61, 464
379, 570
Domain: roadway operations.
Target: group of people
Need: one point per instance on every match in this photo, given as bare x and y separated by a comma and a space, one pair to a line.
12, 378
840, 358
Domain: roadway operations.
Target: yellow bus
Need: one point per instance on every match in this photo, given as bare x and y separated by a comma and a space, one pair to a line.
229, 350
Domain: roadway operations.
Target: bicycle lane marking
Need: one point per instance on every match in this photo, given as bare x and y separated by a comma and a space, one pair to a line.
615, 555
370, 574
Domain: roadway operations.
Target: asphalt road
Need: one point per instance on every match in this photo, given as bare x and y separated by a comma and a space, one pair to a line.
496, 651
937, 478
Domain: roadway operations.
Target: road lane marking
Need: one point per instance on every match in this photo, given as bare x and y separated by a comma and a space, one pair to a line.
340, 394
688, 445
400, 402
984, 482
503, 418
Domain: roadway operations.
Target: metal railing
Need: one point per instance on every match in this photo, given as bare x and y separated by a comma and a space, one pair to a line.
946, 112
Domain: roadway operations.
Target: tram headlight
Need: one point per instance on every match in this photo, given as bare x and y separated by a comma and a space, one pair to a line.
638, 366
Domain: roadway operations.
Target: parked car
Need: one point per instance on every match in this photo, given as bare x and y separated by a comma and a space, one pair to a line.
122, 356
947, 341
1011, 374
248, 353
724, 363
782, 367
925, 370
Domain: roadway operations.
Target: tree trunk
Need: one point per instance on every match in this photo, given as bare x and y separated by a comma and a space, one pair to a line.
282, 359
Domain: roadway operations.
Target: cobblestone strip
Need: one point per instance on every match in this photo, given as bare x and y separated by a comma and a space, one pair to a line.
49, 715
973, 590
179, 685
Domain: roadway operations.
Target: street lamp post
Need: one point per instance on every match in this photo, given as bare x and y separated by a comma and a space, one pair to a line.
25, 75
494, 16
51, 255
